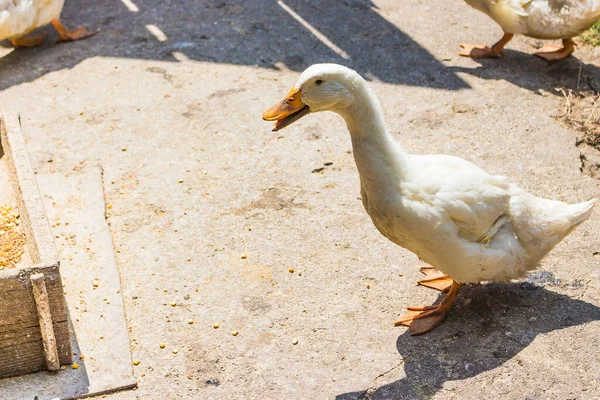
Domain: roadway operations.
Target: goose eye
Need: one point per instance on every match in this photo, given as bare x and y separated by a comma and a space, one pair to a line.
319, 81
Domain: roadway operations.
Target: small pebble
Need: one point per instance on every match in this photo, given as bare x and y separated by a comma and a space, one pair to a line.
180, 181
291, 270
244, 256
173, 304
295, 341
75, 366
175, 351
216, 326
162, 345
136, 362
95, 283
234, 333
190, 321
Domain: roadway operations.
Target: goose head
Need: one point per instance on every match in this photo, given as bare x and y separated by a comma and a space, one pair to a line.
321, 87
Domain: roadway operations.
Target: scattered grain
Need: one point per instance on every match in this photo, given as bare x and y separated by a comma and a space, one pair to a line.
12, 242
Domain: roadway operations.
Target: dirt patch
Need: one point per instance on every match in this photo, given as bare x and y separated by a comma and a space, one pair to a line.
161, 71
12, 242
459, 108
581, 112
270, 199
227, 92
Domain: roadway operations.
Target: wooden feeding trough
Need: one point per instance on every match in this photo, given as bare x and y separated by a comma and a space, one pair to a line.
34, 328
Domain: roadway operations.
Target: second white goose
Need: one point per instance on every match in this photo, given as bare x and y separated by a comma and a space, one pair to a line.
470, 225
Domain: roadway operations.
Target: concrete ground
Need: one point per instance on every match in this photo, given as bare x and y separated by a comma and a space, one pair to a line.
167, 99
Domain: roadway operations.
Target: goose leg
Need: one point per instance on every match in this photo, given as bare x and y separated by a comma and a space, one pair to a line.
32, 40
482, 51
68, 35
552, 52
424, 319
435, 279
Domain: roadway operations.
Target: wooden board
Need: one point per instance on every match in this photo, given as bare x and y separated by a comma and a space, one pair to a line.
23, 347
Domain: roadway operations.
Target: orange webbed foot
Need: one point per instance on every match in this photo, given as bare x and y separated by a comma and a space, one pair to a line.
435, 279
421, 320
553, 52
482, 51
478, 51
69, 35
29, 40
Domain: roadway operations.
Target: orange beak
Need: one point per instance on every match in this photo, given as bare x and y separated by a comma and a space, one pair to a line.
289, 110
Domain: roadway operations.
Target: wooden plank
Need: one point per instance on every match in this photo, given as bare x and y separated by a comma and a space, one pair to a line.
63, 341
19, 335
17, 305
45, 319
24, 346
25, 353
22, 359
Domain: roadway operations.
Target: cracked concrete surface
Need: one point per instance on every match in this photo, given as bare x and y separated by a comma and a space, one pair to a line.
195, 179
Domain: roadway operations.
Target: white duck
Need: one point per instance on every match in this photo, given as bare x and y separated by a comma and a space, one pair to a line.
540, 19
20, 17
469, 224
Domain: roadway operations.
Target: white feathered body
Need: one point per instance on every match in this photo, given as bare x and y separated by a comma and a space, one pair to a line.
541, 19
19, 17
469, 224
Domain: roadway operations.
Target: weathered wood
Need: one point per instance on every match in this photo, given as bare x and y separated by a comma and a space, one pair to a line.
21, 344
45, 319
17, 305
24, 358
34, 328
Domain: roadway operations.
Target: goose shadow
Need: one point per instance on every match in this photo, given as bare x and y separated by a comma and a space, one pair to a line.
270, 34
536, 74
499, 321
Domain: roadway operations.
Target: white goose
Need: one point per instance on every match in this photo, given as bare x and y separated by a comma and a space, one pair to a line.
470, 225
540, 19
20, 17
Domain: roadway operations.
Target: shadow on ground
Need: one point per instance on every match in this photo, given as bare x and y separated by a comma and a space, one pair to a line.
500, 321
533, 73
265, 33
